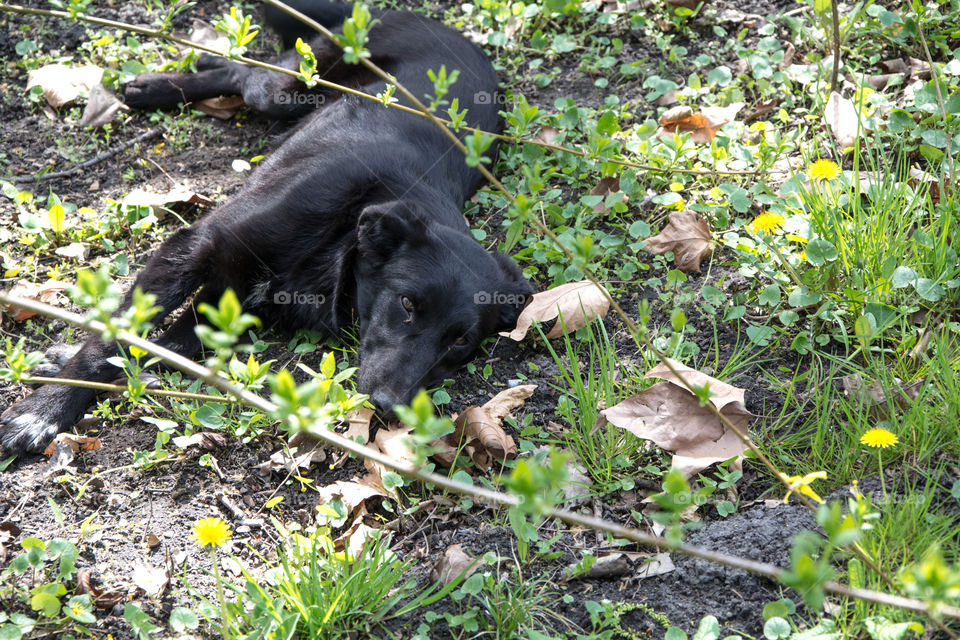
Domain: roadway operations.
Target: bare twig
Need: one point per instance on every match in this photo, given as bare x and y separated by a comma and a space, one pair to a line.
146, 135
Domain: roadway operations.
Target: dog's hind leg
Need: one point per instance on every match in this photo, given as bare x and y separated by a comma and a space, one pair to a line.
174, 272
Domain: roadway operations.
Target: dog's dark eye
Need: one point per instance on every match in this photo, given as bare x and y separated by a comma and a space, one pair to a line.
461, 342
407, 304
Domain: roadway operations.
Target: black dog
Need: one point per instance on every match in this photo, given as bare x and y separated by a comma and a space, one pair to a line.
358, 210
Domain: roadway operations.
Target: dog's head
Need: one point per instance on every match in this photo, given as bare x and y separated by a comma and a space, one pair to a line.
426, 298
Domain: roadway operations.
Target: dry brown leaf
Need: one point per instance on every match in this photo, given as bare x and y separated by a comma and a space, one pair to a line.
354, 538
153, 541
622, 563
61, 84
76, 443
671, 417
508, 400
101, 599
878, 398
578, 303
606, 186
102, 107
352, 494
547, 134
453, 563
177, 195
841, 116
306, 451
895, 65
688, 236
47, 292
221, 108
703, 126
358, 425
478, 428
762, 109
392, 441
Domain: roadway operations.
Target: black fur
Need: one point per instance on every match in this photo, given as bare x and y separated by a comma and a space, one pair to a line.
357, 212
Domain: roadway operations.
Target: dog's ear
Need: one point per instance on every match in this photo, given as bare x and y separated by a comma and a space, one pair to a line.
383, 228
516, 292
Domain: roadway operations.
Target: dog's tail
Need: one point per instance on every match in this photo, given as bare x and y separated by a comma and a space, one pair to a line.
329, 14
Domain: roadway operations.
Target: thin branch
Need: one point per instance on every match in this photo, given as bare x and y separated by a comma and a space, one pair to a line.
150, 133
488, 496
121, 388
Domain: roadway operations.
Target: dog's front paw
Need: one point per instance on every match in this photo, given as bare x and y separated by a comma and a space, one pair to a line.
153, 91
24, 431
30, 425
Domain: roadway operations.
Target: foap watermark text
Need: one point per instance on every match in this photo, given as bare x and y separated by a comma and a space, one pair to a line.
299, 298
497, 297
299, 98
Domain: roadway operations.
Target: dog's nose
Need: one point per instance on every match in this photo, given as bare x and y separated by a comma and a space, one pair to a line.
384, 400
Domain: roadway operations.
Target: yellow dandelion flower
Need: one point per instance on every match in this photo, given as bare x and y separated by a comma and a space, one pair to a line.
715, 193
676, 186
766, 223
802, 257
801, 484
878, 438
823, 170
211, 532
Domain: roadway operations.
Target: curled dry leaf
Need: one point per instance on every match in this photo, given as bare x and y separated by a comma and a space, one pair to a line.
102, 107
358, 425
352, 494
577, 302
479, 430
606, 186
703, 126
842, 118
671, 417
880, 399
547, 134
47, 293
309, 451
486, 440
508, 400
221, 107
688, 236
453, 563
177, 195
101, 599
61, 84
622, 563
